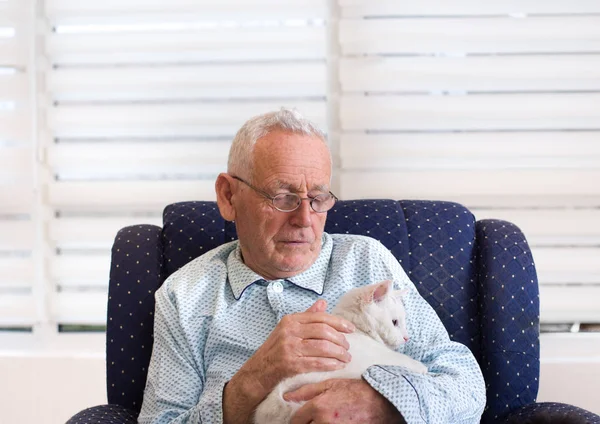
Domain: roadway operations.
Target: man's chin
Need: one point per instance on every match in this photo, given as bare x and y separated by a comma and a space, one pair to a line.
296, 259
292, 268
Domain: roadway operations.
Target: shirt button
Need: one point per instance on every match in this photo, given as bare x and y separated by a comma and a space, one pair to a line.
277, 287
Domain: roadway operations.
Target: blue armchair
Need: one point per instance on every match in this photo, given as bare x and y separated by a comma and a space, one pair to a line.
479, 276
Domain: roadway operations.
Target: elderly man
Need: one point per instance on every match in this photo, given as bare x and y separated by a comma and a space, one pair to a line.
236, 321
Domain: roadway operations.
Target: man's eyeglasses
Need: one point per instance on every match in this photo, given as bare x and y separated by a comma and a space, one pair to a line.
289, 202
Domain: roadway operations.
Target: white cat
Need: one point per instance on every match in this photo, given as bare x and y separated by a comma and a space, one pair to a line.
378, 313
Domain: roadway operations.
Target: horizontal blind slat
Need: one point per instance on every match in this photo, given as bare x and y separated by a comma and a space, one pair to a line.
210, 118
360, 8
127, 195
152, 158
16, 235
265, 7
355, 163
14, 126
11, 54
557, 265
92, 233
475, 150
465, 186
230, 44
17, 310
551, 227
73, 270
189, 82
16, 199
13, 86
475, 112
522, 182
16, 163
120, 153
569, 304
16, 271
481, 74
80, 308
453, 146
463, 35
167, 56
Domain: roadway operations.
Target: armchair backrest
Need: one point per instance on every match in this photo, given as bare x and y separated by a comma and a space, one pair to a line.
439, 245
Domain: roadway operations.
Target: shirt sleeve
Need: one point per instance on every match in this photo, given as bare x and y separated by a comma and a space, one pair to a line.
453, 390
175, 388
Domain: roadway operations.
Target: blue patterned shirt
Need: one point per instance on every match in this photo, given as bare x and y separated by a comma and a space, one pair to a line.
215, 312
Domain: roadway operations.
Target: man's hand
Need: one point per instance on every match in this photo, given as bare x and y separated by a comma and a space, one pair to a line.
342, 401
303, 342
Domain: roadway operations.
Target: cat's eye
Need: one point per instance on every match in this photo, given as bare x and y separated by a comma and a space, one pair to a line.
395, 322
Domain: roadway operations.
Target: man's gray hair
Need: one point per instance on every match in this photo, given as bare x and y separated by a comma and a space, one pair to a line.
240, 161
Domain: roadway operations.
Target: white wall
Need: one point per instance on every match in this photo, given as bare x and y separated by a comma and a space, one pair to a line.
49, 388
48, 381
570, 370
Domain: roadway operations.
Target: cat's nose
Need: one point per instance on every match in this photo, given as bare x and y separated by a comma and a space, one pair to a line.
406, 338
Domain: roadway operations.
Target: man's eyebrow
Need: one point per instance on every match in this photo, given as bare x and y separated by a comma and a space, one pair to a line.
283, 185
320, 187
294, 189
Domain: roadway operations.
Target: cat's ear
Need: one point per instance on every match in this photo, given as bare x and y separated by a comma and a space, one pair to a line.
376, 292
400, 293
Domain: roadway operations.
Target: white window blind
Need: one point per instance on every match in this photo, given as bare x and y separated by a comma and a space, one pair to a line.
144, 98
17, 305
495, 105
109, 110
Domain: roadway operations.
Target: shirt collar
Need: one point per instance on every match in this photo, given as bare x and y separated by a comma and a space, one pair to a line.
241, 277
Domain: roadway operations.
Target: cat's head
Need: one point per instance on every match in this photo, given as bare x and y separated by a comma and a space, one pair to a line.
376, 310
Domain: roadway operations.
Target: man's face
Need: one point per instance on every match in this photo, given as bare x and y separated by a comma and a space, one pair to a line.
279, 244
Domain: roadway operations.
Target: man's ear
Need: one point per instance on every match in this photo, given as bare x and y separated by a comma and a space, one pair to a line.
224, 189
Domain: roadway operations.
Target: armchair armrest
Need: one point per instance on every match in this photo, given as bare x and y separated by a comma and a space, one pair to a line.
136, 273
509, 310
550, 412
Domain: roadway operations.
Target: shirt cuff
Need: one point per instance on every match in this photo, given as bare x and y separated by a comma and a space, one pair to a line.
210, 406
397, 387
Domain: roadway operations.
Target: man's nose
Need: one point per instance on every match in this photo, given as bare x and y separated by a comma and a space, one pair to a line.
301, 217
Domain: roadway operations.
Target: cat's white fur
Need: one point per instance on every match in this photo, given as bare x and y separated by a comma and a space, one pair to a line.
379, 316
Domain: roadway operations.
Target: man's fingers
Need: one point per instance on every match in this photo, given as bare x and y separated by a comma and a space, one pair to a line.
304, 415
324, 349
316, 313
340, 324
319, 331
306, 392
322, 364
319, 306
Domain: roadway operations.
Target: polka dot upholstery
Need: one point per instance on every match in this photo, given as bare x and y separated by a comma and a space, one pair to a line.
105, 414
477, 276
551, 413
192, 229
442, 265
136, 273
509, 302
380, 219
